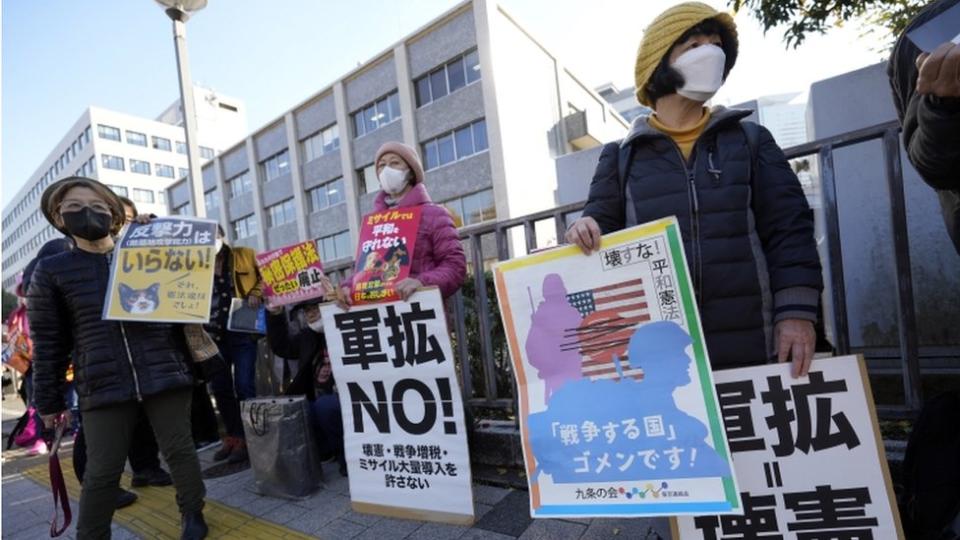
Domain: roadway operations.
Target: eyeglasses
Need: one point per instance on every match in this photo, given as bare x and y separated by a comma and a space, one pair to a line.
77, 206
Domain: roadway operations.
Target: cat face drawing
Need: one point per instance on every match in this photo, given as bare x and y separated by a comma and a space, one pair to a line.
140, 301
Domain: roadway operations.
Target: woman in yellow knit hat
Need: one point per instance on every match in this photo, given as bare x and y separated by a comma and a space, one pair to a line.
746, 224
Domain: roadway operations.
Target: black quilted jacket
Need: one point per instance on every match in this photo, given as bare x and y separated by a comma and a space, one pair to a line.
113, 362
747, 228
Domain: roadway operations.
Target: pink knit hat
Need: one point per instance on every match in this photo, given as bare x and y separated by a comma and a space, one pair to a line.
407, 153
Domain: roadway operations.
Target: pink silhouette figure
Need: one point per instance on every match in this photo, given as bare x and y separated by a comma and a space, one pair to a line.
551, 321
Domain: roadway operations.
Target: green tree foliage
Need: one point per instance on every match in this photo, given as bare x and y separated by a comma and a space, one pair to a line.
805, 17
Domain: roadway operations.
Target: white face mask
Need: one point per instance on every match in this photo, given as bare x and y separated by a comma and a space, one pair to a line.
393, 180
316, 326
218, 245
702, 70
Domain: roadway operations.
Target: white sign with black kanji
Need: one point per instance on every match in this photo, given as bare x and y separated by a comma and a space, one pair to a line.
807, 454
405, 435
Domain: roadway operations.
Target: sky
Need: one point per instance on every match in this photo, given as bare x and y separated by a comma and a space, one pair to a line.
61, 56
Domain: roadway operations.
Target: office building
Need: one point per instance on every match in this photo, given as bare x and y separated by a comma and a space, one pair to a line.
623, 101
137, 157
486, 105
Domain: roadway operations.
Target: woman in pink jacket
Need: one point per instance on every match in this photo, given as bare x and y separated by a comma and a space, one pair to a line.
438, 258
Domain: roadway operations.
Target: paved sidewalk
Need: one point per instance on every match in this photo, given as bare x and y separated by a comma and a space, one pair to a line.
235, 510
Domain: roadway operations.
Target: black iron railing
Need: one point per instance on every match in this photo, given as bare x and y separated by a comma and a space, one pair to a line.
489, 392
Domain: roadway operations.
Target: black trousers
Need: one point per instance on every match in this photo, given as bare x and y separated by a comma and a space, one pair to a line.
143, 453
203, 419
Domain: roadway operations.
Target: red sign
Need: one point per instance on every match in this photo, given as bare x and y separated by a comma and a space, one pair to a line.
384, 254
291, 274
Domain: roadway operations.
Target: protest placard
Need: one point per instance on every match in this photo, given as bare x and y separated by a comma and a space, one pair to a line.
808, 455
162, 271
384, 253
944, 28
405, 438
291, 274
618, 413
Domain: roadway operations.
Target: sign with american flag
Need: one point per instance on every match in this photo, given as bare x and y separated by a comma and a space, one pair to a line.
618, 412
610, 313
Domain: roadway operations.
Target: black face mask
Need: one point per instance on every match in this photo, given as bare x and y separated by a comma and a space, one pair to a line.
87, 224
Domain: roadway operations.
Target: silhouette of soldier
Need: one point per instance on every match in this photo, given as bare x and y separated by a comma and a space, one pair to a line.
649, 436
551, 320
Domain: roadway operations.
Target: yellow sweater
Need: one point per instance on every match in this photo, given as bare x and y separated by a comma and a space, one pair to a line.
685, 138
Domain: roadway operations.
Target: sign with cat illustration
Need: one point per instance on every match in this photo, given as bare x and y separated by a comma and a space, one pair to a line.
162, 271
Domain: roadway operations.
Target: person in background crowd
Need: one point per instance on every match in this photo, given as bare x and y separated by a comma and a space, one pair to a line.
746, 225
438, 258
21, 359
203, 419
314, 378
120, 366
236, 276
926, 92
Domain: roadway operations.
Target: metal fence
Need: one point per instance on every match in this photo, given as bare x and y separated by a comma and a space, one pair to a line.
486, 393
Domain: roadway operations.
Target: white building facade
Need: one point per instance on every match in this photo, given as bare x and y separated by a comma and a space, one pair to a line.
137, 157
488, 108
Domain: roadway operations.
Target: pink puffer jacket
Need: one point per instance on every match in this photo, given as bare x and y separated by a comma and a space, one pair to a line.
438, 258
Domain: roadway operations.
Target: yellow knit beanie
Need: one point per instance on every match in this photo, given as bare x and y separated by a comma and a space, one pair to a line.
664, 31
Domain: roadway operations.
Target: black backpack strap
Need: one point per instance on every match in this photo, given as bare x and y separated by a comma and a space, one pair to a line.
624, 159
752, 132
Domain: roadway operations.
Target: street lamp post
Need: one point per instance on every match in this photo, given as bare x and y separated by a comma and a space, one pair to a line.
179, 11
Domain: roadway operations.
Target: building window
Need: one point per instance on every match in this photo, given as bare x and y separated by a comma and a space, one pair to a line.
281, 213
108, 132
165, 171
377, 114
240, 184
206, 153
143, 195
162, 197
326, 195
161, 143
447, 78
455, 145
139, 167
119, 190
276, 165
112, 162
472, 209
181, 147
183, 172
86, 135
334, 247
184, 209
91, 165
367, 179
245, 227
324, 141
211, 200
137, 138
